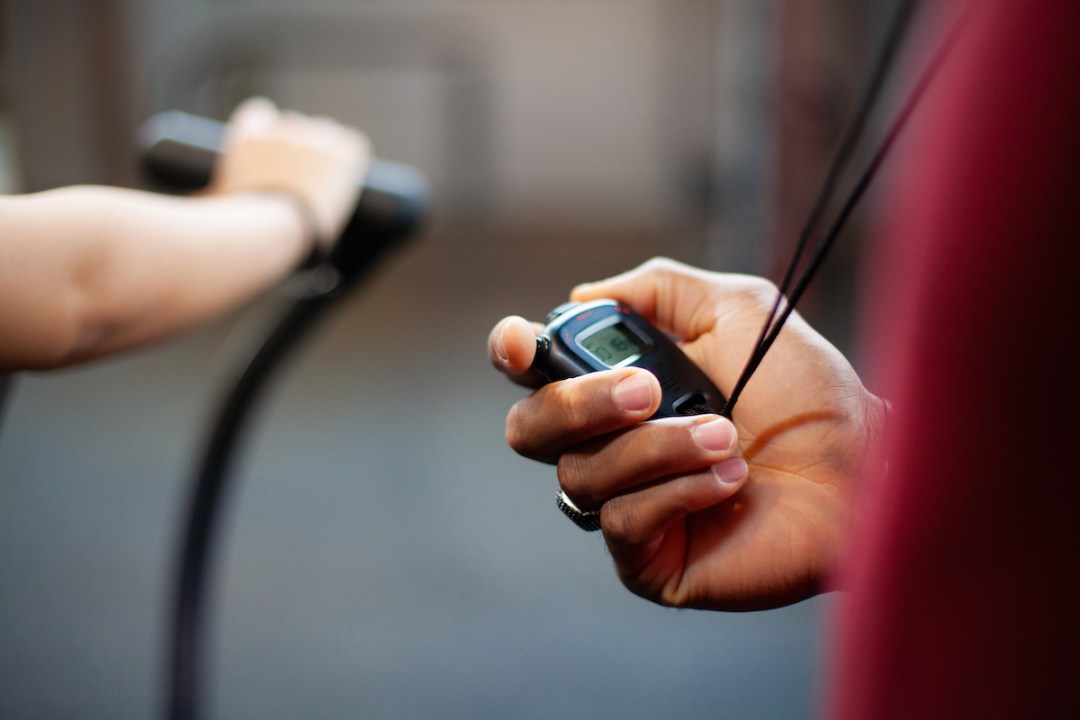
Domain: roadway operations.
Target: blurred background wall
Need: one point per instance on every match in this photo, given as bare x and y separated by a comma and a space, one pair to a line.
386, 554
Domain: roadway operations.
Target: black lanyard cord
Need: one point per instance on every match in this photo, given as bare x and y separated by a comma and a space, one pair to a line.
776, 319
847, 145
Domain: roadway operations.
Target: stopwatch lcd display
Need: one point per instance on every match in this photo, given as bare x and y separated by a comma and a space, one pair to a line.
613, 344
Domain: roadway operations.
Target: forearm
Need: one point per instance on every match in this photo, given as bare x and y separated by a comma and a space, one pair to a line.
87, 271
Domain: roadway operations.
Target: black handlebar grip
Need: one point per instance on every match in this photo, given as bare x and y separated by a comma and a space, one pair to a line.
179, 150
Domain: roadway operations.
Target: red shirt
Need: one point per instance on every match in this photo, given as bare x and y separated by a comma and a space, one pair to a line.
964, 596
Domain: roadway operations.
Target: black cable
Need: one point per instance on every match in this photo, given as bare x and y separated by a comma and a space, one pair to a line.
383, 219
775, 319
211, 493
849, 205
850, 139
390, 209
5, 389
179, 150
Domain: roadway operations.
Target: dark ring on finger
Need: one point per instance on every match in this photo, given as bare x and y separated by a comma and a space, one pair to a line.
588, 520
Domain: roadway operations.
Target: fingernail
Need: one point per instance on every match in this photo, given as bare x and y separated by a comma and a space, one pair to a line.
731, 472
714, 435
634, 393
500, 347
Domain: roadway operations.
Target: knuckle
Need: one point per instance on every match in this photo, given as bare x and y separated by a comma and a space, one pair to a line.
621, 521
758, 291
668, 442
516, 435
667, 446
573, 479
655, 265
661, 271
673, 271
576, 402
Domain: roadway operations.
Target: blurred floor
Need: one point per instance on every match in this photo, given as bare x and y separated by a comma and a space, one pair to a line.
386, 555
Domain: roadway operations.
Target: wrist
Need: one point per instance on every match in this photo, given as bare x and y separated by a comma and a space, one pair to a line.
313, 246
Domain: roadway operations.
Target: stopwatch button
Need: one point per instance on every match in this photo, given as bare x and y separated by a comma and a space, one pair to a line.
694, 403
543, 347
565, 307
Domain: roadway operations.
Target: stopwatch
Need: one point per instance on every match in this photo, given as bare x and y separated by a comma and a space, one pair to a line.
581, 338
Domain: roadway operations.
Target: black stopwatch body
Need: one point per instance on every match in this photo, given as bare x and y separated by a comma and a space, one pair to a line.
587, 337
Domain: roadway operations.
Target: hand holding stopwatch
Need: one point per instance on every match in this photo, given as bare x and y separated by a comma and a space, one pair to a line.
587, 337
581, 338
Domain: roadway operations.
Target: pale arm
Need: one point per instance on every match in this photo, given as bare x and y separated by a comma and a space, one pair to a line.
88, 271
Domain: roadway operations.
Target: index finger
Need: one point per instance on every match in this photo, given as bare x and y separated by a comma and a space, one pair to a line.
566, 413
680, 298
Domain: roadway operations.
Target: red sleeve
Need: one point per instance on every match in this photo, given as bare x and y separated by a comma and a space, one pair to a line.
964, 600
